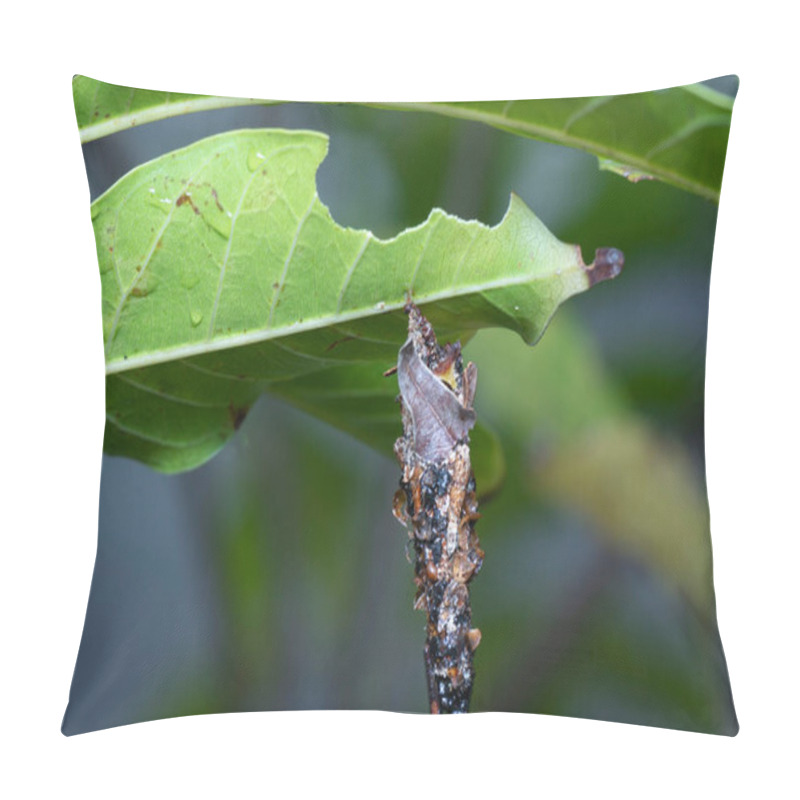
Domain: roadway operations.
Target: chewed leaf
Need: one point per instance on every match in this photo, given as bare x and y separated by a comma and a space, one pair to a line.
224, 276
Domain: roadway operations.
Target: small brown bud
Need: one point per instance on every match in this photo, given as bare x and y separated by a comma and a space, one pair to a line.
474, 639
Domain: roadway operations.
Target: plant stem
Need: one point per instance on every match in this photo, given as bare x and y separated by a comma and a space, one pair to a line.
437, 503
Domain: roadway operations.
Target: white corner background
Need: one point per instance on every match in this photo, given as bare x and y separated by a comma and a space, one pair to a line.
52, 387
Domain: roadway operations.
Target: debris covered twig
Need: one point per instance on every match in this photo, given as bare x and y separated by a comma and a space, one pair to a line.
437, 503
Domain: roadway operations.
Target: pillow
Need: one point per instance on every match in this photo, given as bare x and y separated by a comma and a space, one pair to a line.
286, 293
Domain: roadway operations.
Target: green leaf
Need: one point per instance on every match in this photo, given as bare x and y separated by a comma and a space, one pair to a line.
224, 276
676, 135
105, 108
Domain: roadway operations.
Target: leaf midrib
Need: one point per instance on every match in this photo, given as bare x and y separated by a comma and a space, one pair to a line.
262, 335
558, 135
97, 130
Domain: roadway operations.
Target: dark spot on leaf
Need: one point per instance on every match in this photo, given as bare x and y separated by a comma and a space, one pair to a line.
183, 199
216, 199
139, 291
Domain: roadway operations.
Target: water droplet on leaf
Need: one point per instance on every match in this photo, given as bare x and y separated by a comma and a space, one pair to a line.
161, 203
255, 158
190, 279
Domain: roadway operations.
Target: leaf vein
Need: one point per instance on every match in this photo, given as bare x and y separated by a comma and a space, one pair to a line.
234, 218
432, 225
688, 130
288, 261
155, 440
217, 374
473, 237
351, 270
147, 259
355, 335
588, 108
299, 354
223, 267
171, 397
